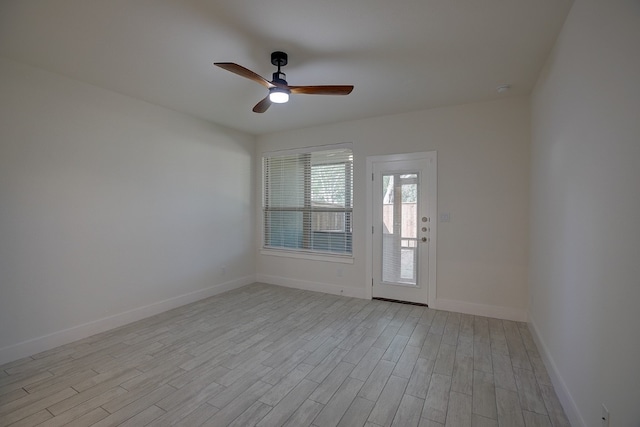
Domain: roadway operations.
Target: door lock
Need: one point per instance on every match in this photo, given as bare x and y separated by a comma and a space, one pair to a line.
424, 239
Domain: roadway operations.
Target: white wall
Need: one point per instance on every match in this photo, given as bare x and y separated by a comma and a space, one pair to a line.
585, 211
111, 209
483, 181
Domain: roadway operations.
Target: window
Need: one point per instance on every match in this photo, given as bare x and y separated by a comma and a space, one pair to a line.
307, 200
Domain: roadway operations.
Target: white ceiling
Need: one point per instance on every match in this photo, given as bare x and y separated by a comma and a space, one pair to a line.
401, 55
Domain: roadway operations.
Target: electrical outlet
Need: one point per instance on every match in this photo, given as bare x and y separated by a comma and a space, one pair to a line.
605, 416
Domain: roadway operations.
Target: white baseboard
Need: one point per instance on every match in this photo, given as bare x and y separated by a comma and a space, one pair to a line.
499, 312
306, 285
560, 387
58, 338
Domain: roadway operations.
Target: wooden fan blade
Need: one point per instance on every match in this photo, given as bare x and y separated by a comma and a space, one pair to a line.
244, 72
321, 90
263, 105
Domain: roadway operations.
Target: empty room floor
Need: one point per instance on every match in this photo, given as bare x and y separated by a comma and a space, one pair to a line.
270, 356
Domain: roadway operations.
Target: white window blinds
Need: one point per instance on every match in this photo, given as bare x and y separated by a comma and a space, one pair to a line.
307, 200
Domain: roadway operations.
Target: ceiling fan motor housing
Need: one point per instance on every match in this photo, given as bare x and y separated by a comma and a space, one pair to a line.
279, 59
279, 77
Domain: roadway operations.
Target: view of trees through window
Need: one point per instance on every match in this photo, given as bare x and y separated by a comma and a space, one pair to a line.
399, 240
329, 190
409, 192
308, 201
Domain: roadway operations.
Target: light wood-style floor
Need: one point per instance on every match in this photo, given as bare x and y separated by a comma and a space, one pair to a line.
271, 356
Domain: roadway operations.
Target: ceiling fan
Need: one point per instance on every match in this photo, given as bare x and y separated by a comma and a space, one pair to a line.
279, 89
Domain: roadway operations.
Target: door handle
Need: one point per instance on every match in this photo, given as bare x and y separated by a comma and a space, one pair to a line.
424, 239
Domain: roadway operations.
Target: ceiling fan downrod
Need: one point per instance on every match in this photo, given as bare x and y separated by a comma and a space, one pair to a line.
279, 59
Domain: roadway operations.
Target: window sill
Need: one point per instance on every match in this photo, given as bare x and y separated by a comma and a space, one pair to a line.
314, 256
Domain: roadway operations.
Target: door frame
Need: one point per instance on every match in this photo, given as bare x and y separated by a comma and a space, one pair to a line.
432, 214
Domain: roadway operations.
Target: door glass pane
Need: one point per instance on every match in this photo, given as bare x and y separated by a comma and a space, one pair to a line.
399, 228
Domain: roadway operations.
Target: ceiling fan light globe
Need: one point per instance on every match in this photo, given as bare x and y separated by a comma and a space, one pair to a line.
278, 97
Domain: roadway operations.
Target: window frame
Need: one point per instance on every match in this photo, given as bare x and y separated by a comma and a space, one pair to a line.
306, 252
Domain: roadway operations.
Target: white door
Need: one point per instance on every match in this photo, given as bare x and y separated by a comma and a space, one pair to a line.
402, 226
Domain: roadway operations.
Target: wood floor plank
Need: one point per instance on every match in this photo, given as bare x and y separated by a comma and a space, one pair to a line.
497, 337
531, 419
357, 413
508, 408
34, 419
437, 400
540, 371
459, 410
288, 383
427, 317
480, 421
180, 412
409, 411
424, 422
243, 402
275, 356
79, 410
305, 414
89, 419
464, 347
107, 379
90, 393
328, 364
462, 378
10, 396
406, 362
503, 372
321, 352
431, 346
339, 404
280, 371
420, 378
451, 329
143, 418
134, 408
418, 335
228, 394
529, 392
484, 395
14, 413
439, 322
186, 377
385, 409
14, 382
375, 383
517, 350
288, 405
366, 365
331, 383
252, 415
384, 339
482, 360
554, 407
408, 326
199, 416
445, 359
196, 391
358, 351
